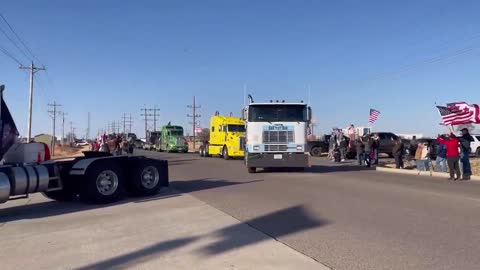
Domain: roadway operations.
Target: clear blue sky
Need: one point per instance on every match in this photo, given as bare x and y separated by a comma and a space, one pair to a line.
114, 57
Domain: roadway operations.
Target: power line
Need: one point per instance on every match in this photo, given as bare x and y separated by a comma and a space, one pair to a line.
14, 43
7, 53
20, 39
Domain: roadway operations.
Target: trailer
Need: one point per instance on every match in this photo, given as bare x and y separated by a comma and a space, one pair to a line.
96, 177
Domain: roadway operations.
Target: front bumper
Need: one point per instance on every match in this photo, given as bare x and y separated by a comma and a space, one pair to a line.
278, 160
178, 148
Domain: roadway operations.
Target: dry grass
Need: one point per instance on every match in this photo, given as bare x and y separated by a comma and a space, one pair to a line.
475, 167
68, 151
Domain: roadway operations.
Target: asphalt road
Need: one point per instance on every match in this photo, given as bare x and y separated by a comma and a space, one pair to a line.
344, 216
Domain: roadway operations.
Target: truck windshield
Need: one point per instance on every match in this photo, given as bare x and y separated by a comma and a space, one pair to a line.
176, 132
236, 128
277, 113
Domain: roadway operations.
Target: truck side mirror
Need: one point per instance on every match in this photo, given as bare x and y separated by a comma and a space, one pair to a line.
309, 112
244, 114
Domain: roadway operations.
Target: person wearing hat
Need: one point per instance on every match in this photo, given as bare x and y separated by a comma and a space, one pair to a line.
465, 141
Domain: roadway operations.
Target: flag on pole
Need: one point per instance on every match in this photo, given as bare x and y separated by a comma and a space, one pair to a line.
460, 113
373, 115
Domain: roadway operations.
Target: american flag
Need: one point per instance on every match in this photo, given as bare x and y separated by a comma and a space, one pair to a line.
460, 113
373, 115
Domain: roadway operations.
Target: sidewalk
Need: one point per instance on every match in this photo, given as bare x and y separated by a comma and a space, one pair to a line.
170, 231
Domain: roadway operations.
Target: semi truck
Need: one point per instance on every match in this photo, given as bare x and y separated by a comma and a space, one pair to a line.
96, 177
172, 139
227, 137
276, 134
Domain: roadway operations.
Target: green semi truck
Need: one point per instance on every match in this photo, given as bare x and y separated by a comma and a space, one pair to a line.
172, 139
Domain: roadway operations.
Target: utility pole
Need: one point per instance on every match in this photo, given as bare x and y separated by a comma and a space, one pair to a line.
63, 128
87, 135
145, 115
127, 121
72, 136
194, 117
155, 117
33, 69
53, 113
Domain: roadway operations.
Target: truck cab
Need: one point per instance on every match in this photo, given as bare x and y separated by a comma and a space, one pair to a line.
276, 135
227, 137
172, 139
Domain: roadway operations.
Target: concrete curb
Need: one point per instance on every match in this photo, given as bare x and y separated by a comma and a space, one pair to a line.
426, 173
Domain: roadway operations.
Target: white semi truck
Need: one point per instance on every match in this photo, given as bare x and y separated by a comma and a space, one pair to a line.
97, 177
276, 134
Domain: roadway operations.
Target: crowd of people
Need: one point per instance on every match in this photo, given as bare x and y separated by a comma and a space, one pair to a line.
450, 151
115, 144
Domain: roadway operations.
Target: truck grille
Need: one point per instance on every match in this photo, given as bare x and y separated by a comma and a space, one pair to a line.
275, 148
278, 136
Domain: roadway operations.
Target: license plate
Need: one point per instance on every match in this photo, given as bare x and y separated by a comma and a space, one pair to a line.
277, 156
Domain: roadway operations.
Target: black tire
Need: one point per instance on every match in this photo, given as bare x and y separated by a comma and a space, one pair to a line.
60, 195
316, 151
252, 169
390, 155
111, 170
225, 153
207, 154
477, 153
143, 186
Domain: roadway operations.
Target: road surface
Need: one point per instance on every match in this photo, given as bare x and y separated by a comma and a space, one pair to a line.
344, 216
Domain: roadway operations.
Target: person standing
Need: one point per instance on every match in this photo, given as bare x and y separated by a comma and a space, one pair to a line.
441, 161
343, 144
397, 153
360, 151
465, 141
368, 151
331, 144
453, 155
376, 147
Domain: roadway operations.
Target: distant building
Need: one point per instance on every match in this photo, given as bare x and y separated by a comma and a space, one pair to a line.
44, 138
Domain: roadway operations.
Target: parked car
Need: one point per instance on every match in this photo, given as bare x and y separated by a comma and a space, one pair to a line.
475, 145
432, 144
387, 140
318, 147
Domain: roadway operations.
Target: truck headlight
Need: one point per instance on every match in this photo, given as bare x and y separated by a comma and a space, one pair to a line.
256, 147
299, 147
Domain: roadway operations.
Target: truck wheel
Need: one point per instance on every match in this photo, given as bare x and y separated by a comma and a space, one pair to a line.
104, 182
252, 170
316, 151
477, 153
207, 154
225, 153
146, 179
60, 195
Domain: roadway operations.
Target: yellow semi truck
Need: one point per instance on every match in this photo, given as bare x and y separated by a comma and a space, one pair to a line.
227, 137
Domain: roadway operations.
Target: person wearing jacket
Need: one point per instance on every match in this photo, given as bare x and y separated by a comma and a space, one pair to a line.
465, 141
453, 155
441, 161
397, 153
360, 151
368, 151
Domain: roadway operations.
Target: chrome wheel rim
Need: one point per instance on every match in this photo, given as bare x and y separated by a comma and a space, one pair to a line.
107, 182
150, 177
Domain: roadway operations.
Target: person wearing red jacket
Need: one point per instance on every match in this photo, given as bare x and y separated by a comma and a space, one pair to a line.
453, 155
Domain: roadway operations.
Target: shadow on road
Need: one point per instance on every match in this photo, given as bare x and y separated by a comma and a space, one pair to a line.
277, 224
54, 208
205, 183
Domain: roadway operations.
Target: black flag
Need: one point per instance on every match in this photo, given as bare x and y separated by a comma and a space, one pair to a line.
9, 132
